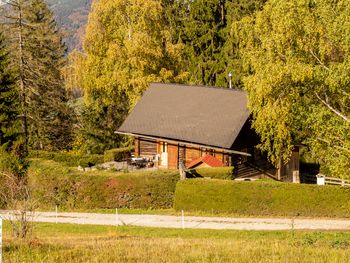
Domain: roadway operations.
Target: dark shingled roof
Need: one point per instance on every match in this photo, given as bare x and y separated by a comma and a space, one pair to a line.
197, 114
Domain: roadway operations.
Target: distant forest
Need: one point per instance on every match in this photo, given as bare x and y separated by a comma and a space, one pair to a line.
71, 16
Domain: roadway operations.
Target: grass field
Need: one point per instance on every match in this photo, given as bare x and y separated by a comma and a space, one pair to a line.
71, 243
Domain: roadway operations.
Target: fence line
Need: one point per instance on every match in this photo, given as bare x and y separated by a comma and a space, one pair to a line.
337, 181
306, 178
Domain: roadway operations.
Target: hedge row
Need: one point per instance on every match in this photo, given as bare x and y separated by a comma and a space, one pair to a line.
69, 159
68, 188
225, 173
118, 154
262, 198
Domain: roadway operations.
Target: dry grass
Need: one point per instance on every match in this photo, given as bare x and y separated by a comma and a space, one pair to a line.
69, 243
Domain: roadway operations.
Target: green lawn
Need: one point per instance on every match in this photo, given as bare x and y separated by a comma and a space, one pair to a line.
72, 243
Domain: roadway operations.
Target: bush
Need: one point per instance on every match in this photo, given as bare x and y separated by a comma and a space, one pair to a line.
212, 172
42, 154
118, 154
262, 198
54, 184
69, 159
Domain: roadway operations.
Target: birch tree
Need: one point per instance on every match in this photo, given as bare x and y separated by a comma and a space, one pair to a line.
298, 53
127, 46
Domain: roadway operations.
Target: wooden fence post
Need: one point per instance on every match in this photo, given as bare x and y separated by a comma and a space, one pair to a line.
182, 219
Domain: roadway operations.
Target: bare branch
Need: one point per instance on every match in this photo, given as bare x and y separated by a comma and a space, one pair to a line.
332, 109
12, 3
332, 145
319, 61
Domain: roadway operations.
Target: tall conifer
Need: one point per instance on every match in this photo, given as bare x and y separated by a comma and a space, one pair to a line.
211, 44
50, 120
9, 100
13, 161
39, 56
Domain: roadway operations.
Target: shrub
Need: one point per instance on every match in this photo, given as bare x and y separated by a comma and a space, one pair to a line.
69, 159
212, 172
262, 198
42, 154
118, 154
68, 188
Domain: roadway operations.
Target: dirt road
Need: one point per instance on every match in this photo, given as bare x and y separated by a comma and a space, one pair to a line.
189, 221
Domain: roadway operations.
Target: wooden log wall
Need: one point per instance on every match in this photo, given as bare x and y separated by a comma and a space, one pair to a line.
148, 148
191, 154
137, 147
176, 152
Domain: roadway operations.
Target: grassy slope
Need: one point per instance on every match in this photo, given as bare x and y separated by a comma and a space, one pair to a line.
71, 243
262, 198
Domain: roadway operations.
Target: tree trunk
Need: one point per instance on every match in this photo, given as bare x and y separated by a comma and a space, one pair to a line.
21, 79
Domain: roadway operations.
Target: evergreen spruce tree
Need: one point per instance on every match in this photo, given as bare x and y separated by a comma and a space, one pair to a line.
50, 124
39, 56
207, 30
203, 27
231, 57
9, 101
13, 150
98, 123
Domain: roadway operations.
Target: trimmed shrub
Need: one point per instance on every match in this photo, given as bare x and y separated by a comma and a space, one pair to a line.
69, 159
262, 198
118, 154
225, 173
54, 184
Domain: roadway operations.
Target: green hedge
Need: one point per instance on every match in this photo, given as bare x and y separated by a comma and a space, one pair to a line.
69, 159
262, 198
54, 184
212, 172
118, 154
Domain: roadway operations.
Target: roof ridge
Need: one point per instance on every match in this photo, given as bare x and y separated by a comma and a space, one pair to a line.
193, 85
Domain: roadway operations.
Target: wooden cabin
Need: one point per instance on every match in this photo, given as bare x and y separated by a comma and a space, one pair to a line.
175, 123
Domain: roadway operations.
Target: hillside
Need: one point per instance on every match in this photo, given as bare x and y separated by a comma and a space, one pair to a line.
71, 16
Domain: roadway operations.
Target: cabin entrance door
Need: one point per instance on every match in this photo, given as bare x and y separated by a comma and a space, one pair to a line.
164, 155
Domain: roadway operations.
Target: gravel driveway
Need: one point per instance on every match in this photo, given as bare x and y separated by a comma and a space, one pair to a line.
189, 221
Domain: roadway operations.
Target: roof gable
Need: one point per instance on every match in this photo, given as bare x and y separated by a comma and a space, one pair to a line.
207, 159
198, 114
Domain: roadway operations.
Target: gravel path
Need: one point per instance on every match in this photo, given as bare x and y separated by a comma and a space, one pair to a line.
189, 221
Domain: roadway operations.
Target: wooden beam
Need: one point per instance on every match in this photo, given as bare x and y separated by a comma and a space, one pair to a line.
185, 143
